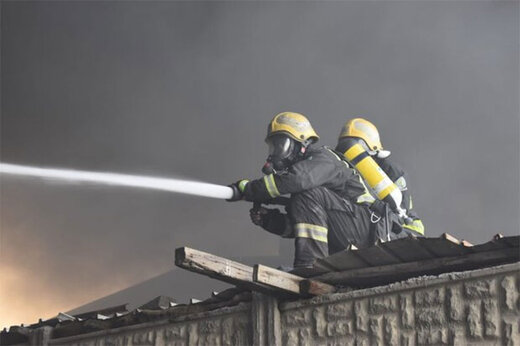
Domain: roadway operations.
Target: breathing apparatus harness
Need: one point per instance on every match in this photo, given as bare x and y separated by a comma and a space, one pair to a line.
388, 196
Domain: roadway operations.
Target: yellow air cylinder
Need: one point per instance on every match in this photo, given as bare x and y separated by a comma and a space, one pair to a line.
374, 176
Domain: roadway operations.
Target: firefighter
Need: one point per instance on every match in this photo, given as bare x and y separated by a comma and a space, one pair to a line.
363, 132
322, 214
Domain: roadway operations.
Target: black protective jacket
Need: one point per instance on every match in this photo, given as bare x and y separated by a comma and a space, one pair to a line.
320, 167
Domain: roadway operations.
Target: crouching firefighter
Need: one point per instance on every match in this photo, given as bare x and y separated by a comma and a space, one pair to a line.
390, 199
321, 214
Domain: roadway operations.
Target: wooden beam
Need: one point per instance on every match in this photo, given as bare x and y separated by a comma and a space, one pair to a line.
315, 288
395, 272
203, 262
222, 269
450, 238
287, 281
454, 240
276, 278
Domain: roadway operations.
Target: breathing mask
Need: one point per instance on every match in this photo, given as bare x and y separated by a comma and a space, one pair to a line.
283, 152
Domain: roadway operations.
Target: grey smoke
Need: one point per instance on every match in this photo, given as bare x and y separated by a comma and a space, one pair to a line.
187, 88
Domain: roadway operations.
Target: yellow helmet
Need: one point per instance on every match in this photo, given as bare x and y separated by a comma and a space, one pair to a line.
364, 129
294, 125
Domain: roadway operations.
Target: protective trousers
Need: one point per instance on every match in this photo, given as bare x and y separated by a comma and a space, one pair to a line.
325, 223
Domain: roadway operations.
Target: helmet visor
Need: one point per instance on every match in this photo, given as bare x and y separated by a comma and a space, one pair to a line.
280, 146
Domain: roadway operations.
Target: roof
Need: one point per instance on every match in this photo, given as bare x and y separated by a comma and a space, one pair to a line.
159, 308
380, 264
177, 283
409, 257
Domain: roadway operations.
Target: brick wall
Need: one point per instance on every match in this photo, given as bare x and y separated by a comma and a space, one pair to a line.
480, 307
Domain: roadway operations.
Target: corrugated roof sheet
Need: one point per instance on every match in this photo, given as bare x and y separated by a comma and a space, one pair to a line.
404, 258
157, 309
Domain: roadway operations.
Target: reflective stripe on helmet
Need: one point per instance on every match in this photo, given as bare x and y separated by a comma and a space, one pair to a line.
307, 230
416, 226
270, 185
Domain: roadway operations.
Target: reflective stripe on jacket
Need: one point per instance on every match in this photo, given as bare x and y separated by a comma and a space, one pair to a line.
319, 167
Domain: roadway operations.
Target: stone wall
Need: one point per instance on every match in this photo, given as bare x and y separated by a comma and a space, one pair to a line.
227, 326
480, 307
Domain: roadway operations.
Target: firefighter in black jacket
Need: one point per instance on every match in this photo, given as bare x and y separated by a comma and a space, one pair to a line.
322, 214
362, 131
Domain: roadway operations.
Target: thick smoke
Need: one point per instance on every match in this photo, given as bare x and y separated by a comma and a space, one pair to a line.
187, 88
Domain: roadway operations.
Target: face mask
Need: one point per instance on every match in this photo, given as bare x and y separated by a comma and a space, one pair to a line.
281, 153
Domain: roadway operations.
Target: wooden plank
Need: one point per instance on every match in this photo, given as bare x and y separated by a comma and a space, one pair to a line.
221, 269
276, 278
454, 240
315, 288
445, 246
199, 261
491, 246
396, 272
308, 272
498, 242
408, 250
282, 280
376, 256
321, 267
465, 243
512, 240
450, 238
343, 260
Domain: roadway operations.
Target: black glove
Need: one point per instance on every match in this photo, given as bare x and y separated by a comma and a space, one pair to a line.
258, 215
238, 190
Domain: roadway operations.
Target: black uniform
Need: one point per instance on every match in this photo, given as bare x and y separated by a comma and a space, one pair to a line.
322, 214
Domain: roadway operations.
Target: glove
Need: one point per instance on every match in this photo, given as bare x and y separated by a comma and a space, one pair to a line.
238, 190
257, 215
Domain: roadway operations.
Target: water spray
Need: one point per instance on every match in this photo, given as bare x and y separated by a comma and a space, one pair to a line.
116, 179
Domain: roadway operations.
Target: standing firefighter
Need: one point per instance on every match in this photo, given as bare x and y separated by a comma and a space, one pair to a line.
360, 143
322, 214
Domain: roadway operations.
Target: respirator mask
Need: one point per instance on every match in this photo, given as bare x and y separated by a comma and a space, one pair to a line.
283, 152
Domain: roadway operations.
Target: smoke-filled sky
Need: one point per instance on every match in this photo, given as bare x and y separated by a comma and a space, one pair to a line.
186, 89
